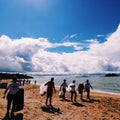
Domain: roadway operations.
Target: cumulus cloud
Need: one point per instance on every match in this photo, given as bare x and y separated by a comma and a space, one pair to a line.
29, 54
75, 45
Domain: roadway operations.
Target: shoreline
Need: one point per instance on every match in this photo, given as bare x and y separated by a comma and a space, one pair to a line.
96, 91
104, 92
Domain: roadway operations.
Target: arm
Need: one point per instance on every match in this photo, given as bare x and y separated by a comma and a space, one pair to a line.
91, 86
72, 85
61, 86
45, 84
54, 88
66, 85
5, 92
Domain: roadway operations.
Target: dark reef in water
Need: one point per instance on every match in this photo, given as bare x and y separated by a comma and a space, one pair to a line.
111, 75
18, 75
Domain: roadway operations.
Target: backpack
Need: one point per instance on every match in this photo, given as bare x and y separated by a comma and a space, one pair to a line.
81, 86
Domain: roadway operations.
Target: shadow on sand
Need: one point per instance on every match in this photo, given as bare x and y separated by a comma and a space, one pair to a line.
77, 104
18, 116
90, 100
65, 100
51, 109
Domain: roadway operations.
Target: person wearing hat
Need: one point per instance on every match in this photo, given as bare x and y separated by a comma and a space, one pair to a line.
11, 91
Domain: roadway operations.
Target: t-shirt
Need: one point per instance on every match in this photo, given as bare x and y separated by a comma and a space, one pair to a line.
87, 86
81, 86
13, 88
72, 85
64, 85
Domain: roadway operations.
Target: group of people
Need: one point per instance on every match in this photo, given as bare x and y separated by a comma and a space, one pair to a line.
13, 88
72, 89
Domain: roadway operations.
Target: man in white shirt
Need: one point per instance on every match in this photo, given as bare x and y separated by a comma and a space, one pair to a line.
11, 91
73, 91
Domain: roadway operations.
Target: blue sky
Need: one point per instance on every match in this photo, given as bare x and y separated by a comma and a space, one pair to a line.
57, 28
56, 19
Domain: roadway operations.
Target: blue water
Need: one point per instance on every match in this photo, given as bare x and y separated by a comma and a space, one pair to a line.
100, 84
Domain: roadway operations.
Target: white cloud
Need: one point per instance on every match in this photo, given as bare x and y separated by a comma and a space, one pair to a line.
73, 36
69, 37
75, 45
29, 54
93, 41
99, 35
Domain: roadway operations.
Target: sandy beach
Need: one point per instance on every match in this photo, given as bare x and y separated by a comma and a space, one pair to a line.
100, 107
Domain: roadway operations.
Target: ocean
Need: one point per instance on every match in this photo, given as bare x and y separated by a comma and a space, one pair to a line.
99, 83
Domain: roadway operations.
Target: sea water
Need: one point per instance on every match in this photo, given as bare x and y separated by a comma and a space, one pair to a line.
99, 83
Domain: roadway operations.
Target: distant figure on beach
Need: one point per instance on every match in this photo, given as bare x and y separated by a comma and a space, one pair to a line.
35, 82
80, 90
63, 87
87, 88
73, 91
11, 91
23, 82
29, 81
50, 88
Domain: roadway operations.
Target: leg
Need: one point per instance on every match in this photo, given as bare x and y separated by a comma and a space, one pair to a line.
88, 94
14, 104
47, 98
51, 93
81, 95
75, 96
64, 91
72, 96
9, 101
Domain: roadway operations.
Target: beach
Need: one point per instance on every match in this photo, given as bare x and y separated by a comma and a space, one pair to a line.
101, 106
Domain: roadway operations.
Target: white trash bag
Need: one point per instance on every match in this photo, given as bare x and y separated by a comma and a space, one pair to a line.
43, 89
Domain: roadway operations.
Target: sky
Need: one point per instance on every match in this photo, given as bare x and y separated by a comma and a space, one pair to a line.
60, 36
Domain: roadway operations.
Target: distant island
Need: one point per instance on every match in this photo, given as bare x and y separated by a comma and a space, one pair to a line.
111, 75
18, 75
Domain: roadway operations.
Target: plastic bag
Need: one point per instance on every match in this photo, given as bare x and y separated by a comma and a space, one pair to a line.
61, 94
43, 89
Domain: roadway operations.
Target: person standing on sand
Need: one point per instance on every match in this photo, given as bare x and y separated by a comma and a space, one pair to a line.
35, 82
12, 89
63, 87
80, 90
73, 91
87, 88
50, 87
